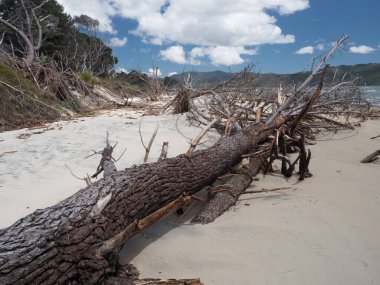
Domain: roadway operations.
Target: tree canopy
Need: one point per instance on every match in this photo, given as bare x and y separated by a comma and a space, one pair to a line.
39, 30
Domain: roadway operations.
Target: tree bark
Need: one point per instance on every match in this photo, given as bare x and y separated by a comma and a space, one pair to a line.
29, 58
227, 193
60, 244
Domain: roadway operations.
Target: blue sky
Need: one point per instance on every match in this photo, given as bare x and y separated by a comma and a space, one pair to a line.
281, 36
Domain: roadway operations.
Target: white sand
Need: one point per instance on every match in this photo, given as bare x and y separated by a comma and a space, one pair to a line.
36, 177
326, 231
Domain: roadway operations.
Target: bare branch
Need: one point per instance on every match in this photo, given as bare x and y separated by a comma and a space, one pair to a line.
147, 149
292, 97
7, 152
200, 136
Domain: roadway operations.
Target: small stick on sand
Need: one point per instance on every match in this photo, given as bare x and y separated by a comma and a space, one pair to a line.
375, 137
265, 190
7, 152
372, 157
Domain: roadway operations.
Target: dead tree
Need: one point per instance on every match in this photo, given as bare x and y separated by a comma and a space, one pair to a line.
77, 241
32, 44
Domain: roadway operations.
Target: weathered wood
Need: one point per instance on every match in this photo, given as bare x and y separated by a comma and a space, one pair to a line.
371, 157
138, 226
226, 194
304, 159
164, 151
265, 190
168, 282
7, 152
147, 149
60, 244
200, 136
308, 106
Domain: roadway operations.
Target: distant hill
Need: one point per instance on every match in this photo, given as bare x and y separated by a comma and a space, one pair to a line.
368, 74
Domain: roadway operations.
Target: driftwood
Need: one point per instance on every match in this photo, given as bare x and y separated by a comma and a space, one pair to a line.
7, 152
266, 190
225, 194
77, 241
372, 157
169, 282
147, 148
164, 151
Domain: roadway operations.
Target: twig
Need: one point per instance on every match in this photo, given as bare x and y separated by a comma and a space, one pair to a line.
375, 137
142, 141
147, 149
95, 152
371, 157
87, 179
316, 71
29, 97
7, 152
164, 151
200, 136
121, 155
265, 190
309, 104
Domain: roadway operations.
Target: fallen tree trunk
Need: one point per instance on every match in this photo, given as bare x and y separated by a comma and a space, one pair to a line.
225, 194
63, 244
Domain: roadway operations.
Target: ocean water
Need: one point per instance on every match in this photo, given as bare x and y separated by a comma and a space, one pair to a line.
373, 93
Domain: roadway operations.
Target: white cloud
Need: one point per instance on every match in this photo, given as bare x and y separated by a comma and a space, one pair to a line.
101, 10
320, 47
361, 49
223, 55
174, 54
116, 42
218, 55
155, 71
212, 23
305, 50
172, 73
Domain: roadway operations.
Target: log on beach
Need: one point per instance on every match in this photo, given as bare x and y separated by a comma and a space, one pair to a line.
77, 240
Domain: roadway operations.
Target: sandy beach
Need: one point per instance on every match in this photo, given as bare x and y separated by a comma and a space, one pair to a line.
325, 230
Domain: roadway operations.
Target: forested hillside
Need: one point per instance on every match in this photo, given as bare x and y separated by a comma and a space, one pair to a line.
40, 31
50, 63
367, 74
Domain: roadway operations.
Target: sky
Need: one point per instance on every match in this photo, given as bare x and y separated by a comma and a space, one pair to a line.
280, 36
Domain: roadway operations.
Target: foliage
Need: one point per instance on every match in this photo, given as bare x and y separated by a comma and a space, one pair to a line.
21, 103
88, 77
16, 78
71, 43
